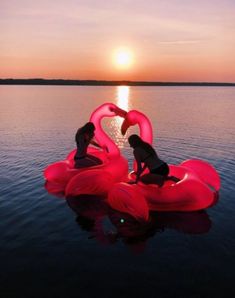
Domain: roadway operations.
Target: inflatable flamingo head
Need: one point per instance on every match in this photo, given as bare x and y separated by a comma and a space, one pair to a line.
106, 110
134, 117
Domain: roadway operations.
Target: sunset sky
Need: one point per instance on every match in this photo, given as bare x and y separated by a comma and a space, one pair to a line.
175, 40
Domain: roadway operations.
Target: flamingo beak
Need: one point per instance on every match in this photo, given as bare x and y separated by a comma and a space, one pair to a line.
125, 126
120, 112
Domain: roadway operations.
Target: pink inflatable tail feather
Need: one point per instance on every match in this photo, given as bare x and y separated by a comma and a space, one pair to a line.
205, 171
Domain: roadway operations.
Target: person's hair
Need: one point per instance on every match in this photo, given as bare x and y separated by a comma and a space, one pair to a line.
135, 141
89, 128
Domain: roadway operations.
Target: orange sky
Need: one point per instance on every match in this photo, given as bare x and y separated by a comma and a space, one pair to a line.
174, 40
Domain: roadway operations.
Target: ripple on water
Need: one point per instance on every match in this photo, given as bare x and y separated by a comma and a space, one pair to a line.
40, 229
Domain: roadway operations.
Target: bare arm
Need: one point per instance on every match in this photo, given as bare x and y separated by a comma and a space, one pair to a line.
93, 142
140, 169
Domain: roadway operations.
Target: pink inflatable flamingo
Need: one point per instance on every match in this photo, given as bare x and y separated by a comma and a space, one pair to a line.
197, 188
96, 180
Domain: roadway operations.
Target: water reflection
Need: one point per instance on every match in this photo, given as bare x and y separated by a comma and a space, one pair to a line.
122, 101
108, 226
123, 97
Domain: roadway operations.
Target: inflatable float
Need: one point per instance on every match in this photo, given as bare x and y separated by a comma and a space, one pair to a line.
197, 189
63, 177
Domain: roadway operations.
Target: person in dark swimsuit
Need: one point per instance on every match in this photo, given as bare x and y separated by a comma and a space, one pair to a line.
84, 137
144, 153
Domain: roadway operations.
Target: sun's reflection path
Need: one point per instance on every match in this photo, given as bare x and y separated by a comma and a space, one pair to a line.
123, 97
113, 125
122, 101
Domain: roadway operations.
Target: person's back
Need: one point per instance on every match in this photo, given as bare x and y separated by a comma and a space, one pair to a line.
151, 159
83, 138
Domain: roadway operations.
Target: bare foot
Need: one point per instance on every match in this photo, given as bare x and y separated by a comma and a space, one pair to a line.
161, 183
173, 178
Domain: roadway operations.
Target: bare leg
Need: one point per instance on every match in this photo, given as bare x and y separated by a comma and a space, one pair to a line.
88, 161
152, 179
172, 178
95, 159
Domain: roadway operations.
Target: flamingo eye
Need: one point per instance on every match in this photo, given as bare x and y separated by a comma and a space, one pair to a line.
111, 109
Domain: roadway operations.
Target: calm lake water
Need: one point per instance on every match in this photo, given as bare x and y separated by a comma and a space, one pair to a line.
50, 247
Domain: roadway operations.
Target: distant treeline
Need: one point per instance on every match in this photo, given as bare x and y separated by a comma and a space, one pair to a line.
104, 83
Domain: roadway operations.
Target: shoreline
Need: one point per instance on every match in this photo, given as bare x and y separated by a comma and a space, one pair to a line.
63, 82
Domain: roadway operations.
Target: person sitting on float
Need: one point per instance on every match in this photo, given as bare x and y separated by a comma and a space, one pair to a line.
84, 137
145, 153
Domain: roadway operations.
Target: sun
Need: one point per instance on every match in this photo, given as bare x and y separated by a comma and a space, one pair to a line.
123, 58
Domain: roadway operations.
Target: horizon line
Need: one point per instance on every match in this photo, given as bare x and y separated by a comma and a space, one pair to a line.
42, 81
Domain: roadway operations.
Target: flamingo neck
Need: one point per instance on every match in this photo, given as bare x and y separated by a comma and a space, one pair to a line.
145, 127
102, 138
